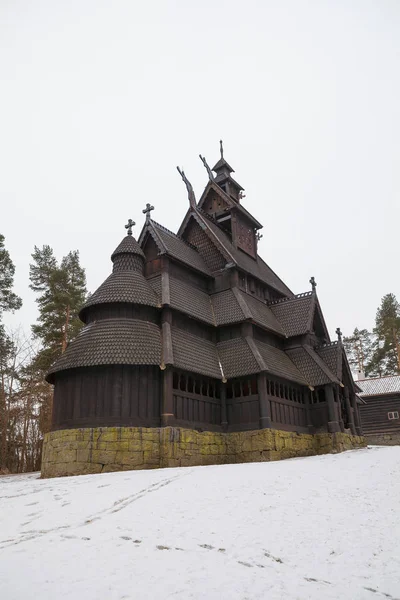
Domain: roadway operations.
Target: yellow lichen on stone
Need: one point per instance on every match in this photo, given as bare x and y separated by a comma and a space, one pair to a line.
108, 449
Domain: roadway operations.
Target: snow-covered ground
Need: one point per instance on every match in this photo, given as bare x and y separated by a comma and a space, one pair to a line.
324, 527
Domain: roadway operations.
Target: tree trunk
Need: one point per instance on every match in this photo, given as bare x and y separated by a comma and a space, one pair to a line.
396, 341
3, 422
65, 333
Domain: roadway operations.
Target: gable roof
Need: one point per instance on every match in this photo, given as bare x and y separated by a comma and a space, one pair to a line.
315, 371
256, 267
390, 384
213, 185
332, 355
294, 313
172, 245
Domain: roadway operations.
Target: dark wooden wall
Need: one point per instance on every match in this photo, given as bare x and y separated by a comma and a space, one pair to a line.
106, 396
374, 414
131, 396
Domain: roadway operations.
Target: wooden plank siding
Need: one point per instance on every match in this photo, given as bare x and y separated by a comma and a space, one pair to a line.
108, 396
374, 414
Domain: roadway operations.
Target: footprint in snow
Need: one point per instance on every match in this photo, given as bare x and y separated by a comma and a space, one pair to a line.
317, 580
125, 537
163, 548
275, 558
206, 546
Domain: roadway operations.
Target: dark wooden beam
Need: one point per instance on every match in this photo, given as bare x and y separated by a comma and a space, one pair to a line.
265, 413
333, 425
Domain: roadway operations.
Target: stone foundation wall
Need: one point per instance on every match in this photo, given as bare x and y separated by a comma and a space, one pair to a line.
105, 449
384, 439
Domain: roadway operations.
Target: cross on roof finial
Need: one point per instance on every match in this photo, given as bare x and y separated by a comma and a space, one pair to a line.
313, 284
146, 211
339, 334
129, 226
221, 148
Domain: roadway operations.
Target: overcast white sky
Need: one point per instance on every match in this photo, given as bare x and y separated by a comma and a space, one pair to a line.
100, 100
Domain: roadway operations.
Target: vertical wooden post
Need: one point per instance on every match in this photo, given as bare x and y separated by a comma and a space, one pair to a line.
167, 408
265, 413
224, 416
338, 408
349, 410
307, 395
333, 425
357, 421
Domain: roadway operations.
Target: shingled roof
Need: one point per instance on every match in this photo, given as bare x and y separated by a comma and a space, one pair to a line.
237, 358
315, 371
295, 314
128, 246
111, 342
122, 286
379, 386
258, 268
278, 363
192, 353
170, 244
332, 355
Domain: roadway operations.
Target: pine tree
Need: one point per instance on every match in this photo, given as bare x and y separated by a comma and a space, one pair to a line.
62, 291
386, 356
8, 301
359, 348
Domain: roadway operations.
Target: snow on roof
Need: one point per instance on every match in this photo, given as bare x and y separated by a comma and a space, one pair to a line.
389, 384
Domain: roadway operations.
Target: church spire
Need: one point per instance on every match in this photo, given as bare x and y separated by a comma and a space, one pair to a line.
223, 177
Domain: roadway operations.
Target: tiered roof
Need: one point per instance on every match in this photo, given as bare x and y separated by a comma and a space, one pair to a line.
109, 338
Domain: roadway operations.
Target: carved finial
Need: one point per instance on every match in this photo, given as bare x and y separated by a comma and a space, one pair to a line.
146, 211
221, 148
259, 236
189, 187
339, 334
129, 226
313, 284
210, 174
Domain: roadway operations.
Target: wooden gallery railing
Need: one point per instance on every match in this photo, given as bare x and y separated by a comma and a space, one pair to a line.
196, 402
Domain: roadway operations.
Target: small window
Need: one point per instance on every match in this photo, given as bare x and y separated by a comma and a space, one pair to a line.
393, 415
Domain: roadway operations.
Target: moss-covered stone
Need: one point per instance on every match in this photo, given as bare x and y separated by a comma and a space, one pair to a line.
108, 449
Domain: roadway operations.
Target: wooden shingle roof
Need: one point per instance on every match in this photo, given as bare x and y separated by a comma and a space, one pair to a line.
256, 267
170, 244
315, 371
112, 342
195, 354
295, 313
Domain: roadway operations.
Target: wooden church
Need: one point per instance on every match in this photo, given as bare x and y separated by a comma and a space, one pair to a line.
195, 330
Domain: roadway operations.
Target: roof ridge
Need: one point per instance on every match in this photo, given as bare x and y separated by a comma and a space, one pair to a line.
327, 345
287, 298
376, 378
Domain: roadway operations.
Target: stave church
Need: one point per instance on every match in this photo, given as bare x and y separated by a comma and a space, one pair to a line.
194, 340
